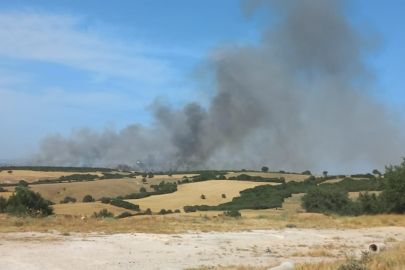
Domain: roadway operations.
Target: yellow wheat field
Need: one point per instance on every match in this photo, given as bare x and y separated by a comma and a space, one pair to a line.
190, 194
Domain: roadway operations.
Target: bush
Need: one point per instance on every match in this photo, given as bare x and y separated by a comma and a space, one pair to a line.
105, 200
177, 211
10, 171
233, 213
147, 212
3, 190
25, 201
203, 197
144, 175
162, 212
125, 214
306, 173
265, 169
103, 214
88, 198
124, 204
150, 175
67, 200
222, 177
188, 209
142, 190
144, 180
223, 196
326, 201
23, 183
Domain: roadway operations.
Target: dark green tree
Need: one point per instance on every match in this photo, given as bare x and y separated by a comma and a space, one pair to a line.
325, 173
87, 198
142, 190
394, 193
23, 183
322, 200
28, 202
265, 169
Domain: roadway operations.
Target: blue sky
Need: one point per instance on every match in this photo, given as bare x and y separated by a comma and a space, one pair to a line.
70, 64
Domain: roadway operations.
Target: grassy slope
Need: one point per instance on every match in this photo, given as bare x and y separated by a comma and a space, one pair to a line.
32, 176
87, 208
190, 194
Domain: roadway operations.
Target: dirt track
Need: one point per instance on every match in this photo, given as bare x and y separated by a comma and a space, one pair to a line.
179, 251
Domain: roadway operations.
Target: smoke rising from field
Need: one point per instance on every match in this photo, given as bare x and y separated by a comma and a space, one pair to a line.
298, 100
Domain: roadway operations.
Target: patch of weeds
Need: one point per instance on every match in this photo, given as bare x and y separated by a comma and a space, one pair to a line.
205, 217
283, 216
391, 239
66, 234
18, 222
261, 217
290, 225
353, 264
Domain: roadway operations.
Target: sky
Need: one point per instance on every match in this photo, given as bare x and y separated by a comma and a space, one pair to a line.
100, 64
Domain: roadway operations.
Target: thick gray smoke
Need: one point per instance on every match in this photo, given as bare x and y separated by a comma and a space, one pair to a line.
298, 100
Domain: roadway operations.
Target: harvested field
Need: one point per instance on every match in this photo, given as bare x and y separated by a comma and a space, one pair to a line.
97, 188
7, 194
190, 194
32, 176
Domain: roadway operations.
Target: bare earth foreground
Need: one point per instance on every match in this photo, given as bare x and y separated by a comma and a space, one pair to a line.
181, 251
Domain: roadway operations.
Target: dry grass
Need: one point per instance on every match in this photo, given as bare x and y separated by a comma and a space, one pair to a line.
7, 194
313, 253
87, 208
392, 259
32, 176
288, 177
190, 194
183, 223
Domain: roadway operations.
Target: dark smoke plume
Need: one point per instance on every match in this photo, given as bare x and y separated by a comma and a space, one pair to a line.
298, 100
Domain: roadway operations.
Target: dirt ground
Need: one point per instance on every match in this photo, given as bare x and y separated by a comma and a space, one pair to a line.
181, 251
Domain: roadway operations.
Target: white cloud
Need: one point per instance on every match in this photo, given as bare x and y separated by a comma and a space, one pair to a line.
70, 41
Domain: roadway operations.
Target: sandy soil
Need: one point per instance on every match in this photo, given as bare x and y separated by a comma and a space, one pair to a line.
179, 251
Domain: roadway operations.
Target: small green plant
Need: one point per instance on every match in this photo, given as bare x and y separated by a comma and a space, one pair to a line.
223, 196
233, 213
103, 214
203, 196
354, 264
290, 225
